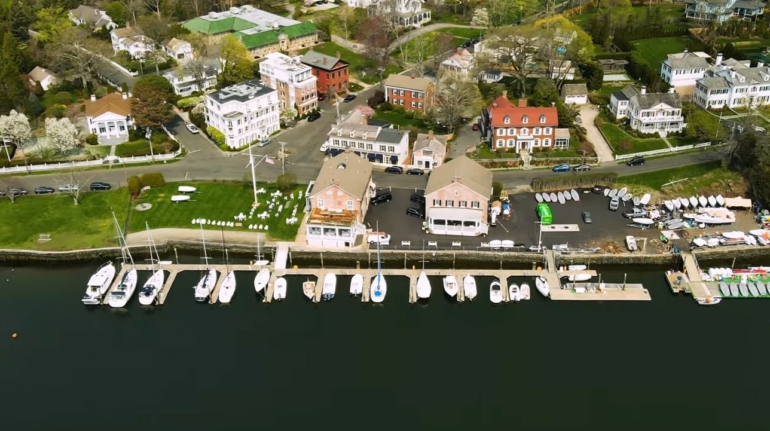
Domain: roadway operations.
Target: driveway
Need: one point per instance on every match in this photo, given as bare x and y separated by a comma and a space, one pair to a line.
465, 138
603, 150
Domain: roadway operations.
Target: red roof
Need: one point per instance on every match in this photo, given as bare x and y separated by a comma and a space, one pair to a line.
502, 107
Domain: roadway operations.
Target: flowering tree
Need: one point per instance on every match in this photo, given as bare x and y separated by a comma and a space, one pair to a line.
288, 115
62, 132
14, 128
366, 111
480, 17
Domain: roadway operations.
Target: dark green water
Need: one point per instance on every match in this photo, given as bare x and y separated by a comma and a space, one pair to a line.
667, 364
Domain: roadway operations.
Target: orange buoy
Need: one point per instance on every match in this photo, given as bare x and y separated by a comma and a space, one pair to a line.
539, 268
14, 335
295, 267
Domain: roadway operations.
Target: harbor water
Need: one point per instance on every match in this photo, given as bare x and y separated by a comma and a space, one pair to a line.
347, 365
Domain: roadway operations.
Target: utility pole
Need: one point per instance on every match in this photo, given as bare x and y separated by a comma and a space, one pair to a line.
283, 159
149, 140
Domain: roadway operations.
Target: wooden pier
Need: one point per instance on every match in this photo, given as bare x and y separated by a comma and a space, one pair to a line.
461, 288
601, 292
413, 289
697, 287
163, 294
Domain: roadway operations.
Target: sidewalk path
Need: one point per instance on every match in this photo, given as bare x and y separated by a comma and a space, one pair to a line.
603, 150
427, 29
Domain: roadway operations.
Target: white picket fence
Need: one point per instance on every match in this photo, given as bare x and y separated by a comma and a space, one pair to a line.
662, 151
88, 163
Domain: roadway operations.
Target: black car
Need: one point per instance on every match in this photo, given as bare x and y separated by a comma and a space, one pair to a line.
381, 197
349, 98
100, 186
636, 161
313, 116
415, 171
394, 170
418, 198
43, 190
17, 192
597, 190
581, 168
415, 212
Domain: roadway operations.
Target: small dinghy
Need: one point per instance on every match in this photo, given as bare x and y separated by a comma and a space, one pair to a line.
720, 200
724, 289
308, 288
676, 226
495, 292
712, 201
669, 205
524, 291
546, 197
703, 201
693, 202
627, 197
575, 195
513, 293
186, 189
560, 196
631, 243
567, 195
180, 198
645, 199
733, 289
606, 192
613, 193
542, 286
761, 288
538, 197
673, 221
622, 192
554, 199
576, 267
643, 220
689, 216
329, 287
357, 285
279, 291
637, 201
685, 203
744, 288
753, 290
677, 203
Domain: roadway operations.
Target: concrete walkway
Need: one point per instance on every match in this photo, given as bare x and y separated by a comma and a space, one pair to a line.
603, 150
353, 46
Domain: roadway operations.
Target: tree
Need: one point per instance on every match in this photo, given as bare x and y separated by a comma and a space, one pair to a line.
455, 99
593, 74
34, 107
505, 12
567, 113
236, 64
610, 16
62, 133
198, 43
154, 27
8, 184
373, 34
78, 178
443, 43
134, 8
20, 17
544, 94
154, 6
51, 21
117, 11
150, 105
703, 126
15, 128
565, 44
12, 52
195, 68
419, 52
516, 47
480, 17
288, 115
13, 89
76, 56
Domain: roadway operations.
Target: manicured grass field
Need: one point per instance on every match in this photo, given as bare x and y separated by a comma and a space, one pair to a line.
71, 227
615, 135
655, 50
399, 119
670, 13
360, 66
218, 202
699, 176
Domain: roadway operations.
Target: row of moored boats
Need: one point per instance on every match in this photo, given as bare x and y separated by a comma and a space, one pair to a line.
560, 197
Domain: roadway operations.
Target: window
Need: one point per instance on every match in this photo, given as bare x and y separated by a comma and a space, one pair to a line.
507, 120
525, 119
419, 105
536, 142
352, 134
344, 143
395, 91
511, 142
463, 204
414, 105
369, 147
436, 202
401, 102
500, 143
349, 205
500, 132
450, 203
475, 204
561, 143
547, 131
511, 131
382, 148
391, 149
547, 142
401, 93
542, 119
536, 131
320, 203
524, 131
414, 94
360, 145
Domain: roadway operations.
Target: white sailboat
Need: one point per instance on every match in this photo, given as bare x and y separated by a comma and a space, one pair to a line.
513, 293
119, 296
357, 285
261, 279
495, 292
279, 289
450, 285
329, 287
542, 286
469, 287
227, 289
423, 286
379, 287
260, 261
525, 291
99, 284
149, 292
208, 278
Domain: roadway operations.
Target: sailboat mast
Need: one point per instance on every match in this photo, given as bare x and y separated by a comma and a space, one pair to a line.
205, 256
379, 262
224, 252
253, 176
124, 251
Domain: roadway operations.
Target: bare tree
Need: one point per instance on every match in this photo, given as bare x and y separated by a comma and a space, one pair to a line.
198, 43
134, 7
76, 178
455, 99
516, 47
195, 68
10, 188
374, 35
154, 6
75, 55
420, 53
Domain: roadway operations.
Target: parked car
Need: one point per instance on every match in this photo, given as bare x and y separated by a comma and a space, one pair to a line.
415, 212
68, 187
636, 161
587, 217
100, 186
324, 147
381, 237
17, 192
321, 97
614, 203
394, 170
416, 197
415, 171
44, 190
313, 116
581, 168
264, 142
475, 127
192, 128
381, 197
564, 167
597, 190
349, 98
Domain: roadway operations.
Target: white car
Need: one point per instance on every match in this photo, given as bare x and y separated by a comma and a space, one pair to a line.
264, 142
381, 237
192, 128
68, 187
324, 147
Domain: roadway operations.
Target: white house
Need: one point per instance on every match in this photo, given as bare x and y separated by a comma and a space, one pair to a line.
178, 49
459, 63
722, 10
131, 40
406, 13
648, 112
731, 83
574, 93
244, 112
378, 144
185, 83
681, 70
45, 77
109, 118
293, 80
561, 69
92, 17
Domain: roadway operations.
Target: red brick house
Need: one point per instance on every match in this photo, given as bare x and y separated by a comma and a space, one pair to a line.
521, 127
332, 72
409, 92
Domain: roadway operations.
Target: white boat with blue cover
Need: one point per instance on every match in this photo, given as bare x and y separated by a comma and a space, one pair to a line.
329, 288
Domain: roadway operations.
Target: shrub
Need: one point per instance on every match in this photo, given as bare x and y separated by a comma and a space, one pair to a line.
135, 135
188, 103
124, 88
497, 187
62, 98
286, 182
158, 138
409, 115
399, 109
598, 122
92, 139
224, 147
386, 106
100, 92
134, 185
217, 136
152, 179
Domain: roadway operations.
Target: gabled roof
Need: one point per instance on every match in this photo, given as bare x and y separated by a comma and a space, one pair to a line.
175, 44
92, 16
649, 100
516, 115
316, 59
574, 90
408, 82
347, 171
127, 32
432, 142
201, 25
113, 103
464, 171
39, 74
461, 58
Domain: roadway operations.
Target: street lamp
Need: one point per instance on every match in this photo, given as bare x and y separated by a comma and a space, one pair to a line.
148, 135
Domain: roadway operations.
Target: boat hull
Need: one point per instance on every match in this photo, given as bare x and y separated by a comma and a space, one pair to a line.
99, 284
423, 286
205, 286
124, 291
227, 290
330, 287
542, 286
378, 289
450, 286
261, 280
279, 290
357, 285
149, 292
495, 292
469, 287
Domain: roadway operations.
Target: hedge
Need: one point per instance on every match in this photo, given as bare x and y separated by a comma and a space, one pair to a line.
572, 182
188, 103
217, 136
153, 180
134, 185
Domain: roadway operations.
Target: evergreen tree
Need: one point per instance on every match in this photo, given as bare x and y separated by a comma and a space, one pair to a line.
34, 107
12, 88
20, 17
11, 52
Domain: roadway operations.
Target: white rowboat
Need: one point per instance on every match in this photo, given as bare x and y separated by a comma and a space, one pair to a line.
538, 197
186, 189
180, 198
469, 287
575, 195
279, 289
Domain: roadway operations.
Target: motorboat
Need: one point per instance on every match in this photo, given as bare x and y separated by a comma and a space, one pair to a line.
713, 242
423, 286
151, 288
577, 277
450, 285
699, 242
119, 296
279, 289
677, 203
761, 287
645, 199
525, 291
643, 222
712, 201
378, 287
542, 286
187, 189
180, 198
227, 289
703, 201
547, 197
613, 193
724, 289
734, 235
513, 293
205, 285
357, 285
575, 195
627, 197
734, 289
720, 200
308, 289
685, 203
469, 287
99, 284
622, 192
329, 287
753, 289
693, 201
689, 216
576, 267
710, 219
750, 240
538, 197
495, 292
567, 195
631, 243
669, 205
606, 192
708, 301
507, 244
261, 279
675, 226
744, 288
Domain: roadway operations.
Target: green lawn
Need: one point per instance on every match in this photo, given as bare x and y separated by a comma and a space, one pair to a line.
608, 89
400, 119
360, 66
615, 135
655, 50
671, 15
218, 202
462, 33
678, 141
699, 177
71, 227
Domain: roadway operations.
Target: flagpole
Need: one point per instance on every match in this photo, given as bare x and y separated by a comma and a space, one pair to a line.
253, 178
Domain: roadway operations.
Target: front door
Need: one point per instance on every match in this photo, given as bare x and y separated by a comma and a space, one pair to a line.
427, 164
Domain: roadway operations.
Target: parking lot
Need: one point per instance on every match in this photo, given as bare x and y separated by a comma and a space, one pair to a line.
520, 227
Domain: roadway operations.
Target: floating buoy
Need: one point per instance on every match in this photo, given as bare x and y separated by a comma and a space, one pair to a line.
295, 267
14, 335
539, 268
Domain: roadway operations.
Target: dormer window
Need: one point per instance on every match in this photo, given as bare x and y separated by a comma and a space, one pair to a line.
364, 135
339, 132
525, 119
542, 119
352, 134
507, 120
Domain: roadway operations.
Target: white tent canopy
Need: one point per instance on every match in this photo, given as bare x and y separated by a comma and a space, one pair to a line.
738, 203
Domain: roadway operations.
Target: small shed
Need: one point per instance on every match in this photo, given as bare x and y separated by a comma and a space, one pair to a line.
574, 93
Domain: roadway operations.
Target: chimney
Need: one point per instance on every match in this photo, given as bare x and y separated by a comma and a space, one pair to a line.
671, 90
553, 104
324, 61
644, 90
125, 96
93, 98
719, 58
430, 135
522, 103
339, 55
413, 75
